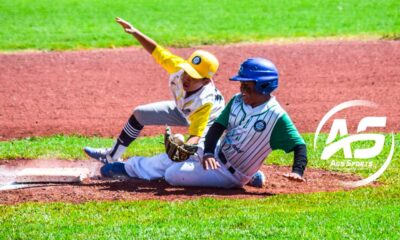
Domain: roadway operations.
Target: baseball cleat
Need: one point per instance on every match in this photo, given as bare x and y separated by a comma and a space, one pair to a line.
100, 154
114, 170
258, 180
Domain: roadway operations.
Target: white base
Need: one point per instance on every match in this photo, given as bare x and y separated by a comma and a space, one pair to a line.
53, 175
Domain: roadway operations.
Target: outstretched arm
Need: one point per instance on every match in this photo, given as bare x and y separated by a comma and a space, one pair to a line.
286, 137
165, 58
299, 163
148, 43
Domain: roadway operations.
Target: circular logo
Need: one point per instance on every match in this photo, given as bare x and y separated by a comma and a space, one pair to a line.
339, 139
259, 126
196, 60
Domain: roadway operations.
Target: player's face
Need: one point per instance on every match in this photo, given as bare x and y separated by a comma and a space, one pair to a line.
250, 96
191, 84
248, 90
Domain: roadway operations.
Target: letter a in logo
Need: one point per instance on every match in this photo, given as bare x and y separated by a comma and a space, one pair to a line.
339, 127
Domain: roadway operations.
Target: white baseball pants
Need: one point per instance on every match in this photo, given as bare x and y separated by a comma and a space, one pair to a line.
188, 173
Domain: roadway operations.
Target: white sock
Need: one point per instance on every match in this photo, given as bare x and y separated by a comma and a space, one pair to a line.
117, 150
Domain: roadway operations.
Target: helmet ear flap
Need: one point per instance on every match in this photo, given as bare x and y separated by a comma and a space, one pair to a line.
264, 85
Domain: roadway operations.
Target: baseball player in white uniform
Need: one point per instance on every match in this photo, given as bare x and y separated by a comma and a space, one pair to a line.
196, 101
254, 125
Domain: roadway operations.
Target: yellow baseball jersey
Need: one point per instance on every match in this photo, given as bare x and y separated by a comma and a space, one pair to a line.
202, 107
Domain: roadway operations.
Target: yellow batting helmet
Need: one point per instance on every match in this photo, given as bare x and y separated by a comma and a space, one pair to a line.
201, 64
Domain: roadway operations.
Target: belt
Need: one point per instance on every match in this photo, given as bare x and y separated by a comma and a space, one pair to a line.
224, 161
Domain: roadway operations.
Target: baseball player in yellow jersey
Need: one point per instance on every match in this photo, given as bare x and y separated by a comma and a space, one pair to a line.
196, 101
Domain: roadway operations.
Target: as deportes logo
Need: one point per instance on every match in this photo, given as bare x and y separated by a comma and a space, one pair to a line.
339, 129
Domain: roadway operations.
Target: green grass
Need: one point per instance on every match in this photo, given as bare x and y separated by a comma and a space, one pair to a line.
72, 24
351, 215
70, 147
364, 213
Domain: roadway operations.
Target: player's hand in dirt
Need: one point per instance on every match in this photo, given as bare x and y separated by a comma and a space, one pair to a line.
294, 177
209, 162
126, 25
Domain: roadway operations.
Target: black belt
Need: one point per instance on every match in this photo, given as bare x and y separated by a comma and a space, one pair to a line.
224, 161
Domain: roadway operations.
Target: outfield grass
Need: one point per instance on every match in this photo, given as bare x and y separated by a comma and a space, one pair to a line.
366, 213
70, 147
66, 24
360, 214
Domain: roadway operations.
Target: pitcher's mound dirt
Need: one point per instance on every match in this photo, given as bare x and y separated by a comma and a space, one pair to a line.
96, 189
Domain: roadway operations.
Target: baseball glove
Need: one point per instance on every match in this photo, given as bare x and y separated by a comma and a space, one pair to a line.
177, 151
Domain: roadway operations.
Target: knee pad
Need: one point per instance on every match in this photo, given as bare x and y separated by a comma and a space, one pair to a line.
137, 114
112, 170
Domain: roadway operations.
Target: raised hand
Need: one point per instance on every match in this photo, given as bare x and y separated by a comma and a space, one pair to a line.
126, 25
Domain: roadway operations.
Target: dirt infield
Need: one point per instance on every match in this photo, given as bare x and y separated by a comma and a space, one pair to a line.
133, 189
94, 92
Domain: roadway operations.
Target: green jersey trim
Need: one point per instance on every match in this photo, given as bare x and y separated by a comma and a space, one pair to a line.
223, 118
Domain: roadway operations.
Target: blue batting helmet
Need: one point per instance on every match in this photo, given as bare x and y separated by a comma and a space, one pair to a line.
260, 70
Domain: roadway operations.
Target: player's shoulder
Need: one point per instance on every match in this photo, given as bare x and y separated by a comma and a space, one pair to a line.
273, 101
282, 114
237, 98
275, 106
